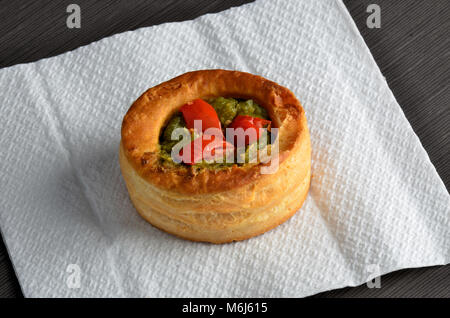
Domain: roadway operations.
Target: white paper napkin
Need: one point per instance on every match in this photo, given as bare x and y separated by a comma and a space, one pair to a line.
376, 203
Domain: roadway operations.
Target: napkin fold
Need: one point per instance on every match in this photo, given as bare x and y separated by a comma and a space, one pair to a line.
376, 203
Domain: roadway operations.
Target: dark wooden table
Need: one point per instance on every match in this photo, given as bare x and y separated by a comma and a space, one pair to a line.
412, 48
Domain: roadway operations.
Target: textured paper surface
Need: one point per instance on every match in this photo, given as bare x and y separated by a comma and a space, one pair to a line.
375, 197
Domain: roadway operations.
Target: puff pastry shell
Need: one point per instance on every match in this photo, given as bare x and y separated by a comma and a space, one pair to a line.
216, 206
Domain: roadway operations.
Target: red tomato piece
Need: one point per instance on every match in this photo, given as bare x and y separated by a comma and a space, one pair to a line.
198, 109
205, 147
245, 122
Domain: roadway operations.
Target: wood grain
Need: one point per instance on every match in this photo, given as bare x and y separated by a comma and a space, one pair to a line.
412, 49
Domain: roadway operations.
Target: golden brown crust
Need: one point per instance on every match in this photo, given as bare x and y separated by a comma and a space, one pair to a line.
142, 124
215, 206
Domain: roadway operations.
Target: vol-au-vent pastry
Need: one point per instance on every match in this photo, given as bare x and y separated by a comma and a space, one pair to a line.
216, 155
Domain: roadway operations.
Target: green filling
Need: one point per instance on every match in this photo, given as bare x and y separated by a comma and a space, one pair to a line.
166, 142
227, 109
250, 108
175, 122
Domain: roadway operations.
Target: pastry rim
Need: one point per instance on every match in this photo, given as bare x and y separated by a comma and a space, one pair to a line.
142, 125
